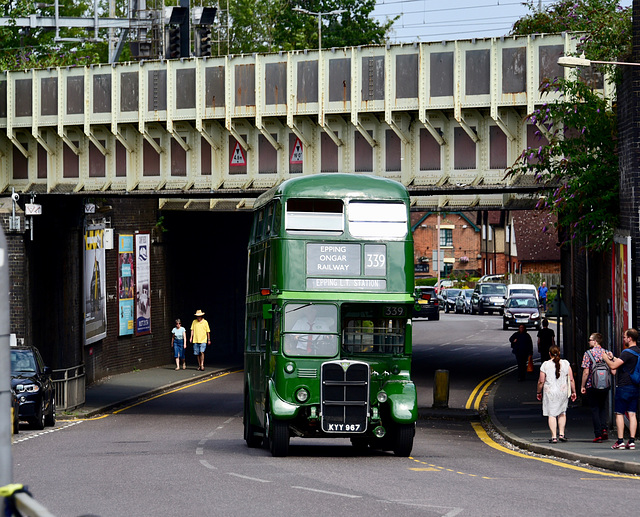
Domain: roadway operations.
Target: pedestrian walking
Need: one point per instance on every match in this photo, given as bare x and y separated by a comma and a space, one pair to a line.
522, 348
555, 387
546, 339
595, 389
542, 294
200, 337
179, 343
626, 394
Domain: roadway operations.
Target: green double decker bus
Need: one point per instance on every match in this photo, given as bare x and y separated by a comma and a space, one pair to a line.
329, 302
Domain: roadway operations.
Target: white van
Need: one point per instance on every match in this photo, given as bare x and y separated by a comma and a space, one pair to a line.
529, 289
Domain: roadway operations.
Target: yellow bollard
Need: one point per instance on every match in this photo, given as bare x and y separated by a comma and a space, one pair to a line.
441, 389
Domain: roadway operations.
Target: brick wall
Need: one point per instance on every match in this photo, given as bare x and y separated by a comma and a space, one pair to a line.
17, 267
117, 354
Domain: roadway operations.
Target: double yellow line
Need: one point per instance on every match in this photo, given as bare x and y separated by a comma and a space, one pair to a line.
474, 402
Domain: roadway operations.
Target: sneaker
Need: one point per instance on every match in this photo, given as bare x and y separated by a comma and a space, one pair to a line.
605, 434
597, 439
619, 445
631, 445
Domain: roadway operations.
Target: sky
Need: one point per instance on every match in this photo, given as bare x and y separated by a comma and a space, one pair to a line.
438, 20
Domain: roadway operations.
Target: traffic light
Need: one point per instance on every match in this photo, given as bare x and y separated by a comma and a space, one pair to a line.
172, 42
203, 42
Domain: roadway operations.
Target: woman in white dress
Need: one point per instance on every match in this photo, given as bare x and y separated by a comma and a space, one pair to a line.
555, 390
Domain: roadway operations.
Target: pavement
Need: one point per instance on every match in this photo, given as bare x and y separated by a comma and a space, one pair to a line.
511, 407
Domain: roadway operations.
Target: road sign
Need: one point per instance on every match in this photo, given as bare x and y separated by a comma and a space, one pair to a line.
237, 157
553, 309
296, 153
32, 209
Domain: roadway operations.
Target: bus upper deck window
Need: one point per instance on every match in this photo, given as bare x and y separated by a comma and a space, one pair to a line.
315, 216
377, 220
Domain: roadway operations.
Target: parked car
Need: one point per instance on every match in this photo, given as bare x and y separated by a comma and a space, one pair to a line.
488, 297
463, 301
518, 289
521, 309
443, 284
31, 380
492, 278
427, 305
448, 299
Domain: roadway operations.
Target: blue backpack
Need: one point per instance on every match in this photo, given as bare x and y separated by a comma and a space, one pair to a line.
635, 374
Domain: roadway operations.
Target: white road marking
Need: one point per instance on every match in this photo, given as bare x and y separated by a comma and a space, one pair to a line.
249, 478
42, 433
205, 463
327, 492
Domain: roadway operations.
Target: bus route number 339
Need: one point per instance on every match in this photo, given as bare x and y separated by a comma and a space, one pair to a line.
394, 311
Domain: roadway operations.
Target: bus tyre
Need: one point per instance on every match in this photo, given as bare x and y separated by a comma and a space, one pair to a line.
404, 440
278, 438
250, 437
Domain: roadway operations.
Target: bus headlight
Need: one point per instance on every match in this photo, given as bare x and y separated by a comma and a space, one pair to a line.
382, 397
289, 367
302, 395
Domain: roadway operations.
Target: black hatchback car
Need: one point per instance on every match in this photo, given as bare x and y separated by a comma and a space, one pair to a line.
488, 297
32, 384
427, 304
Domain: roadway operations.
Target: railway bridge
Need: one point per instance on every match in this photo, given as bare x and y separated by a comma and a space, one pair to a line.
445, 119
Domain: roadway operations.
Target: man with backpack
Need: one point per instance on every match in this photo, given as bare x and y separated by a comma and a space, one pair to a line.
596, 381
627, 387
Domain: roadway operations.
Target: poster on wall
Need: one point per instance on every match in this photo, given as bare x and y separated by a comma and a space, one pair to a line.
143, 284
95, 290
621, 282
126, 275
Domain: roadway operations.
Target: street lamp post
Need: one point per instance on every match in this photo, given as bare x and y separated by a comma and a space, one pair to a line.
319, 15
576, 62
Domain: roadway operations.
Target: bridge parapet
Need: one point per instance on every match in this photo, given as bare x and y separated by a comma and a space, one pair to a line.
443, 116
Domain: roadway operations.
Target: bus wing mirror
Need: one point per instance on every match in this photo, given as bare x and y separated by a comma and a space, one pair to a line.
267, 311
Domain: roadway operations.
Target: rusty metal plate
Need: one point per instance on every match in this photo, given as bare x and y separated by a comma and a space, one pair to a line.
407, 76
49, 96
478, 72
441, 77
129, 91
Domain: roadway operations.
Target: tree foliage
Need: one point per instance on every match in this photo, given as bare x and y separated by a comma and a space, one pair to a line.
273, 25
25, 47
605, 24
576, 162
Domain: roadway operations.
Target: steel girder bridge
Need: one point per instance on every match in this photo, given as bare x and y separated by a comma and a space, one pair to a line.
445, 119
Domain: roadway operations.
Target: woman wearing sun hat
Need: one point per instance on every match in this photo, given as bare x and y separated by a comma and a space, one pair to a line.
200, 337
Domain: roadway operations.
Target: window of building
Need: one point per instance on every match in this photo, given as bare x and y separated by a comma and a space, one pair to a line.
446, 237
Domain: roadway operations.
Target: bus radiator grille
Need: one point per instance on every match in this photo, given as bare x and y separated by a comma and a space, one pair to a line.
344, 396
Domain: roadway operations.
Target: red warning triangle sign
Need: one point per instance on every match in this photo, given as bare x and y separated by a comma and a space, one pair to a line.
296, 153
237, 157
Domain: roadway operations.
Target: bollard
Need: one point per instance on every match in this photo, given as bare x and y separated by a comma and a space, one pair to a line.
441, 389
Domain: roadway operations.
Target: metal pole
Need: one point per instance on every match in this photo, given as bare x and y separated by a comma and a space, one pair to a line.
320, 32
6, 465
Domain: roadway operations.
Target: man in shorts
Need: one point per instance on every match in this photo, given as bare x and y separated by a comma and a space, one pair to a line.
627, 391
200, 337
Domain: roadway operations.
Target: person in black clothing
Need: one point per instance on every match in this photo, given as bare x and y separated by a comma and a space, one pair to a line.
627, 392
522, 347
546, 339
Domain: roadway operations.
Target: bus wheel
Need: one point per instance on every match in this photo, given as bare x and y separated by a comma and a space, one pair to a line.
278, 437
404, 440
250, 437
